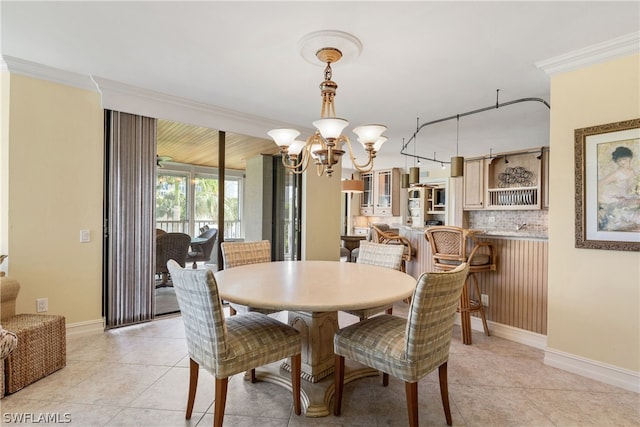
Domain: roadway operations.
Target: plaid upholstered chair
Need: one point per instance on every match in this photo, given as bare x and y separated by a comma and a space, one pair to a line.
389, 256
406, 349
235, 254
386, 237
225, 347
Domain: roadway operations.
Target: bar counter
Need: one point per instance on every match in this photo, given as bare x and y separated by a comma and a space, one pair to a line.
517, 290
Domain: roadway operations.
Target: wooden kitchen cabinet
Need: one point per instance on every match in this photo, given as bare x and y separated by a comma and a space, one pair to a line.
427, 201
474, 186
381, 196
386, 194
515, 180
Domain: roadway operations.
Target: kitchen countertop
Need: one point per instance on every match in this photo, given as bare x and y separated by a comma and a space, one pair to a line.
521, 234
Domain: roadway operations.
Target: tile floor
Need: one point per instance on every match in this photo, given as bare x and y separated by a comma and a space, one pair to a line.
138, 376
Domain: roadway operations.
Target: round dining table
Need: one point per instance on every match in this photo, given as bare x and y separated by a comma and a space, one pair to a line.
312, 293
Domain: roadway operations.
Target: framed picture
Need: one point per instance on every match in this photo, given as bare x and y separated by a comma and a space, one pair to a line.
607, 166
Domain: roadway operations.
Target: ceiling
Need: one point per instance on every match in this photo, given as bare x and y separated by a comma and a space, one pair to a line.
196, 145
420, 61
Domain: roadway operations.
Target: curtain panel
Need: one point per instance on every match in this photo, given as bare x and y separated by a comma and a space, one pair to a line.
129, 245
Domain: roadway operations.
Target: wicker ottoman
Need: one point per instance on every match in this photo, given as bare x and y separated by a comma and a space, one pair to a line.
41, 350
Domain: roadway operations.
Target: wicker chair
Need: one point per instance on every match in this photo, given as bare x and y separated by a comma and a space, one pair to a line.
449, 249
388, 238
170, 246
235, 254
41, 341
389, 256
8, 343
202, 251
408, 349
226, 347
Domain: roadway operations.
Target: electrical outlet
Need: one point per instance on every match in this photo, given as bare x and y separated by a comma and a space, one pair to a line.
85, 236
42, 305
485, 299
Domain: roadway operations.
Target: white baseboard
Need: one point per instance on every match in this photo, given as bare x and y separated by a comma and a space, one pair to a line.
510, 333
88, 326
609, 374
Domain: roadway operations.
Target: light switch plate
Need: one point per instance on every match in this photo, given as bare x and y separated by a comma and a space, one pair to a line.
85, 236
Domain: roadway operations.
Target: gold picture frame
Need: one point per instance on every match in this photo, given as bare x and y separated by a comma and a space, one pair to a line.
607, 190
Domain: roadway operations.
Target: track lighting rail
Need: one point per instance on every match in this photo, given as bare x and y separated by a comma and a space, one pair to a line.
457, 116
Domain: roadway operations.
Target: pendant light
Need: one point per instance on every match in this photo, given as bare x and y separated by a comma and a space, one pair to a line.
404, 178
414, 172
457, 162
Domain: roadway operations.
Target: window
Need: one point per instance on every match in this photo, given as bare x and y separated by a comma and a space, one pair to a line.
187, 200
172, 213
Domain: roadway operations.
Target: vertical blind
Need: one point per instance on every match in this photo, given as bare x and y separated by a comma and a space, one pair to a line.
130, 156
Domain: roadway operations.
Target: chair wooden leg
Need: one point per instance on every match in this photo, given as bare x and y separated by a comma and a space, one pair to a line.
220, 402
296, 367
339, 384
444, 391
253, 375
411, 389
194, 369
232, 311
385, 379
390, 310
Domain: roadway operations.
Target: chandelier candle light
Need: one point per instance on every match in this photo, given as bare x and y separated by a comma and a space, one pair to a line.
324, 147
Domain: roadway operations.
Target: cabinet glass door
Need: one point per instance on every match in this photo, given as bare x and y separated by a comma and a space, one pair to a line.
366, 199
384, 189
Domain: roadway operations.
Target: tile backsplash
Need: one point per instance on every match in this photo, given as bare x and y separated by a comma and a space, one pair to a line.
535, 220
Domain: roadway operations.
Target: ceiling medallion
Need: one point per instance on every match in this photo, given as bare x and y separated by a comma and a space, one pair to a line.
349, 45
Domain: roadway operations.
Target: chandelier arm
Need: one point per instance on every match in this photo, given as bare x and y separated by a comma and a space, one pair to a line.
290, 164
366, 167
304, 158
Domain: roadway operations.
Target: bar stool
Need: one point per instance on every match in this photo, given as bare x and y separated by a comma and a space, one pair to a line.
449, 249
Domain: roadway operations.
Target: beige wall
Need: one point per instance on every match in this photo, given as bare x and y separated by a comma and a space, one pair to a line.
55, 149
594, 295
321, 215
5, 79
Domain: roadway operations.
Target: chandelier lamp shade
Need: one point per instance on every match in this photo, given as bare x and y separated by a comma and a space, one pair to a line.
325, 147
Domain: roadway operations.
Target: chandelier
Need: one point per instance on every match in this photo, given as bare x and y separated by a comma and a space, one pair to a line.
325, 146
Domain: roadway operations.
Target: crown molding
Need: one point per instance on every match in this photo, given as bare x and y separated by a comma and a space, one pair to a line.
591, 55
132, 99
135, 100
45, 72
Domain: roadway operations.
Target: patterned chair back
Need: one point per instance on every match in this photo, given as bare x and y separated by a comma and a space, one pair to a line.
389, 256
243, 253
202, 314
431, 316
